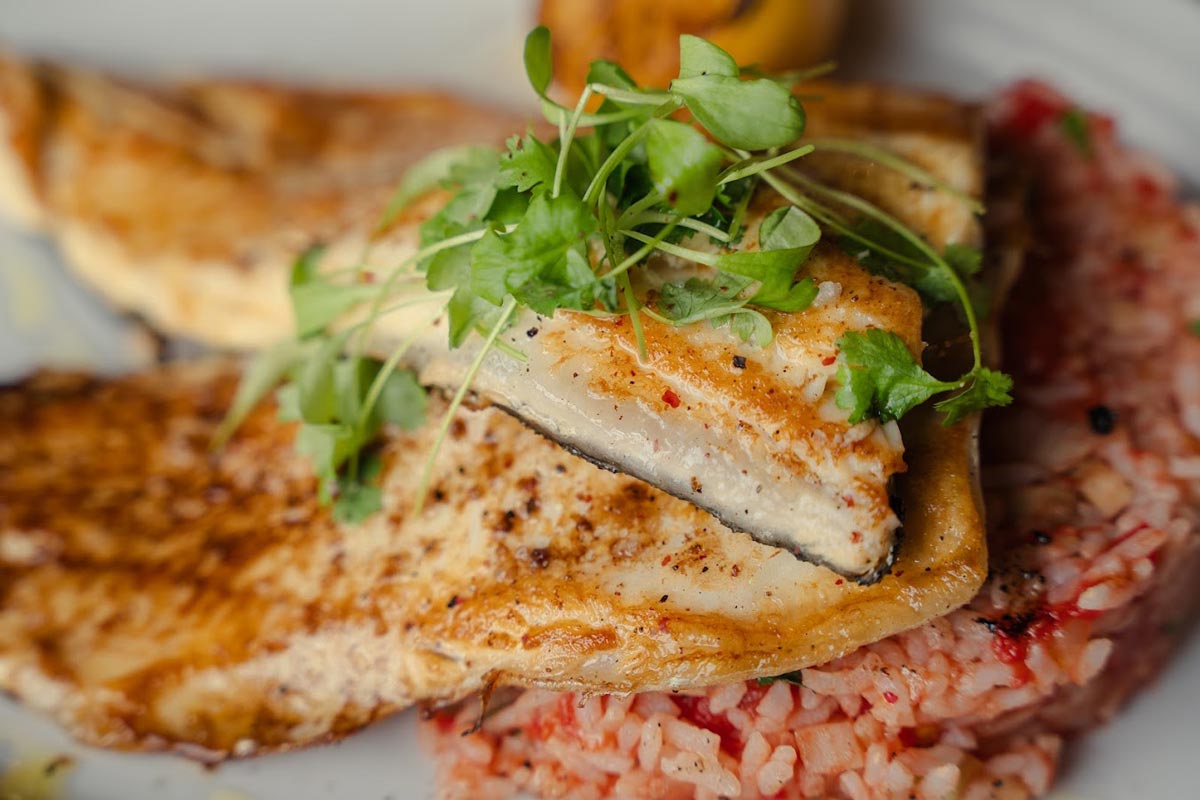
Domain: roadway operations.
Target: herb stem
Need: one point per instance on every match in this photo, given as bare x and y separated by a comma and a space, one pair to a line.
381, 377
880, 155
739, 213
874, 212
684, 222
506, 313
656, 242
753, 166
831, 219
565, 140
628, 96
638, 206
635, 318
651, 243
622, 150
552, 111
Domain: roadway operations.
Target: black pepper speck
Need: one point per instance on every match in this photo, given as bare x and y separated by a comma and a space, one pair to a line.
1102, 419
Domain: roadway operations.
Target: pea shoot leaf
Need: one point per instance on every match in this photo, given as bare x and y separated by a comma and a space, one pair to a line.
749, 326
880, 378
306, 267
786, 237
610, 73
750, 115
697, 299
986, 388
700, 57
683, 165
539, 62
718, 301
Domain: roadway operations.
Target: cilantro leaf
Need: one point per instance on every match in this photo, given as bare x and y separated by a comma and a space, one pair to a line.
965, 259
468, 312
427, 174
683, 165
316, 391
880, 378
528, 162
986, 388
469, 207
258, 378
503, 264
356, 501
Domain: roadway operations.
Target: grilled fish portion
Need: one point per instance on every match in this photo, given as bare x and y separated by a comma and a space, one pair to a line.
750, 434
763, 448
156, 594
186, 204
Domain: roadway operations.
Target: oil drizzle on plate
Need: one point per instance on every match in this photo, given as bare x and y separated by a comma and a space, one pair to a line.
35, 776
219, 794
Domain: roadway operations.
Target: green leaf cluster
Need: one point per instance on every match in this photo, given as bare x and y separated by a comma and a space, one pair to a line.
579, 221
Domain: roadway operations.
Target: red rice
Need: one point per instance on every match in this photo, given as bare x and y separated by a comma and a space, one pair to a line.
1093, 536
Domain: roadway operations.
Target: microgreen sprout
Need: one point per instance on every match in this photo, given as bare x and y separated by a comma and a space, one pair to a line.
637, 176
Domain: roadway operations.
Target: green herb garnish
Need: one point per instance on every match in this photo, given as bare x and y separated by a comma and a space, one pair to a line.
580, 223
1074, 124
1194, 327
795, 678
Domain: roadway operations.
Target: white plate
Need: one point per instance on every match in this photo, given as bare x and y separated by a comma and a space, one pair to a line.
1139, 60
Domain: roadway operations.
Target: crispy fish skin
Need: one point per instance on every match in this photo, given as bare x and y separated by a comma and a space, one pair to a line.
156, 594
777, 456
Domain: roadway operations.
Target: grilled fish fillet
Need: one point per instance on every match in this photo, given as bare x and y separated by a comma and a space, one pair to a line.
155, 594
764, 448
188, 203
